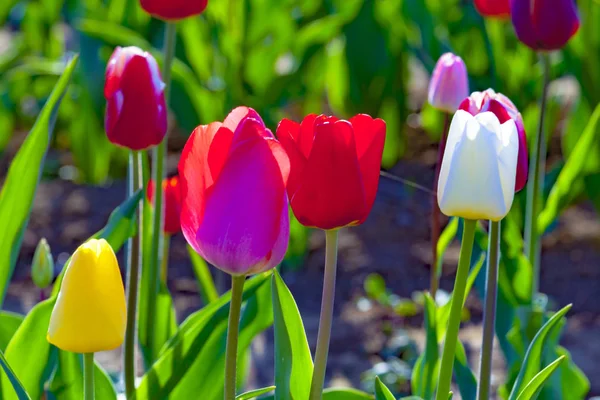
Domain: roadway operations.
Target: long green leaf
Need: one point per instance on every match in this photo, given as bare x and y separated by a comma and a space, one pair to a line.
533, 358
337, 394
254, 393
424, 374
465, 379
192, 360
9, 323
20, 391
447, 236
22, 180
381, 391
293, 362
533, 388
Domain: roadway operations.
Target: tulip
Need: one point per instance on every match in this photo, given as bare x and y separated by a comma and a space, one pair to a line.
234, 206
478, 173
449, 83
172, 191
174, 9
504, 110
42, 266
136, 114
493, 8
334, 168
544, 24
89, 314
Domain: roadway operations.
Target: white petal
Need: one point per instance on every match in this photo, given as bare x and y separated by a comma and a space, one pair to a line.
508, 152
455, 134
472, 187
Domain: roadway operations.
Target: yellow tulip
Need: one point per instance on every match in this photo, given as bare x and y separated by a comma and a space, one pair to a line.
90, 312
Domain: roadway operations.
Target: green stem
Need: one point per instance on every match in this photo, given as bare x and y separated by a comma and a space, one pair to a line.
88, 376
489, 316
318, 379
458, 295
158, 172
135, 182
535, 184
436, 270
237, 289
164, 269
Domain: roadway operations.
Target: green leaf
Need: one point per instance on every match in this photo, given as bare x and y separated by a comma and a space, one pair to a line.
14, 381
192, 361
9, 323
22, 179
447, 236
465, 378
425, 371
293, 362
336, 394
574, 169
533, 388
254, 393
381, 391
533, 358
206, 284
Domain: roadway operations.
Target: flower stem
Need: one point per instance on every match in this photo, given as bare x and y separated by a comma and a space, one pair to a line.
164, 269
535, 184
489, 317
237, 289
158, 172
458, 296
88, 376
318, 379
134, 260
436, 270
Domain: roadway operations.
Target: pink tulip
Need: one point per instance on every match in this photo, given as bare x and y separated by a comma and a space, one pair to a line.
449, 83
234, 205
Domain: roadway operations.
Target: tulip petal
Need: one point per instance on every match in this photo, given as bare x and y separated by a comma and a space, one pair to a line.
286, 132
331, 197
521, 13
369, 135
236, 235
306, 134
276, 255
555, 22
508, 155
233, 119
470, 185
455, 135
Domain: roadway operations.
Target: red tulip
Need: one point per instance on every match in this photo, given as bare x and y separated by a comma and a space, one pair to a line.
334, 168
172, 202
493, 8
136, 114
504, 109
235, 209
174, 9
545, 24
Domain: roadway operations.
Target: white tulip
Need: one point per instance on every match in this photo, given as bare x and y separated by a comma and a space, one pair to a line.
477, 177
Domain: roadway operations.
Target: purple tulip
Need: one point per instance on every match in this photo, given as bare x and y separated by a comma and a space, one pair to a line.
449, 84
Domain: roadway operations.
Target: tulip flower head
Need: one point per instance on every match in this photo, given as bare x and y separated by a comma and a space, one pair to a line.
504, 110
136, 114
174, 9
493, 8
234, 206
42, 266
172, 191
449, 83
477, 177
334, 168
544, 24
90, 313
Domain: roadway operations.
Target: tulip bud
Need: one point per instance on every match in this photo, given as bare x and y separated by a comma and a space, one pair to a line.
477, 177
544, 24
504, 110
174, 9
172, 191
234, 206
334, 168
449, 83
42, 266
90, 313
493, 8
136, 114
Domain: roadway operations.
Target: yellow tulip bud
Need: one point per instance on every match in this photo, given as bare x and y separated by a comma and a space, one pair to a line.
42, 266
90, 312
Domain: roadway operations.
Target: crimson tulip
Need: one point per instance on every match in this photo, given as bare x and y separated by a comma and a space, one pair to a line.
234, 206
493, 8
504, 110
334, 168
136, 114
174, 9
172, 191
544, 24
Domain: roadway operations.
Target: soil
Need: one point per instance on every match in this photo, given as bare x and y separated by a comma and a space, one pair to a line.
393, 242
